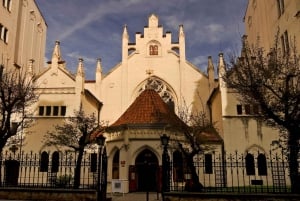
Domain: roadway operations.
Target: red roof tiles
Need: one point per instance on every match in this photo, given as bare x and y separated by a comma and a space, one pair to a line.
148, 109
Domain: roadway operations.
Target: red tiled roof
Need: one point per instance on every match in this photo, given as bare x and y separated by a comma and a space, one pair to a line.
148, 109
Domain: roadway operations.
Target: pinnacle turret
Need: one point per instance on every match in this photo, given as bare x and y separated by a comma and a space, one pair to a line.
80, 68
56, 51
99, 66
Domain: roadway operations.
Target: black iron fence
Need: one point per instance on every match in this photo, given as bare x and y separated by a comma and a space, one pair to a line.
47, 170
248, 173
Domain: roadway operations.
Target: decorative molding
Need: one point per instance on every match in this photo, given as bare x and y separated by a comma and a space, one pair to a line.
66, 90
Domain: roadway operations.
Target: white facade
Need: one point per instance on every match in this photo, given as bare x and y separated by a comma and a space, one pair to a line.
153, 56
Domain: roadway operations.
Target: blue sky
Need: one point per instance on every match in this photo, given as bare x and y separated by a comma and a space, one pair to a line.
92, 29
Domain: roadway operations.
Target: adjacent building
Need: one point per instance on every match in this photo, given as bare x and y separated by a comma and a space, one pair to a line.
265, 19
22, 34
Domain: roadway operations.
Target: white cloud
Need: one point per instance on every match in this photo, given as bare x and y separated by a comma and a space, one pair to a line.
96, 13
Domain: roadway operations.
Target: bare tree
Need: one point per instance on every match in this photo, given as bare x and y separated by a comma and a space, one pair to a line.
198, 123
17, 94
272, 82
75, 133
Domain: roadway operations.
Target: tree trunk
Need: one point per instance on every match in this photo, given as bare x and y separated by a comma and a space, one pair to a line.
293, 146
195, 184
1, 159
78, 168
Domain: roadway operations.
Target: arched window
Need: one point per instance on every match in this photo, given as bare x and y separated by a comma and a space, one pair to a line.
116, 162
153, 49
93, 162
208, 164
262, 164
44, 162
161, 88
250, 169
55, 161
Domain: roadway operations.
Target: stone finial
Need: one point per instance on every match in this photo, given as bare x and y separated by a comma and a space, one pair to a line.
221, 61
80, 68
99, 66
56, 51
181, 31
125, 32
210, 65
153, 21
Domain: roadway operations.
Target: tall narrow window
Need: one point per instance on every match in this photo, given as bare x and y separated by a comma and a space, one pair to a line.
262, 164
286, 42
208, 164
282, 44
41, 110
5, 35
116, 162
44, 162
48, 110
1, 31
55, 162
55, 110
7, 4
63, 110
280, 7
250, 169
239, 109
93, 162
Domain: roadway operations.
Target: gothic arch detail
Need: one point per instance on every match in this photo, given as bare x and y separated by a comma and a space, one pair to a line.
161, 87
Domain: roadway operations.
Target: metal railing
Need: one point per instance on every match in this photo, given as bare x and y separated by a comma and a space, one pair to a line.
241, 173
47, 170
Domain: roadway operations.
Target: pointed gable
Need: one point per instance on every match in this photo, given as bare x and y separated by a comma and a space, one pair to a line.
148, 109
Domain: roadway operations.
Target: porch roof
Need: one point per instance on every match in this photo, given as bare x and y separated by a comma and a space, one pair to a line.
148, 109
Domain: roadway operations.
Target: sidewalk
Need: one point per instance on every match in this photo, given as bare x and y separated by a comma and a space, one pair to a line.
141, 196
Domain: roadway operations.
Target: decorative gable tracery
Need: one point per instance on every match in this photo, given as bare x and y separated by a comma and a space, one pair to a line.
162, 88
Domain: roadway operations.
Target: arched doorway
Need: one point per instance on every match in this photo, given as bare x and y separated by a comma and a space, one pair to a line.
146, 165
